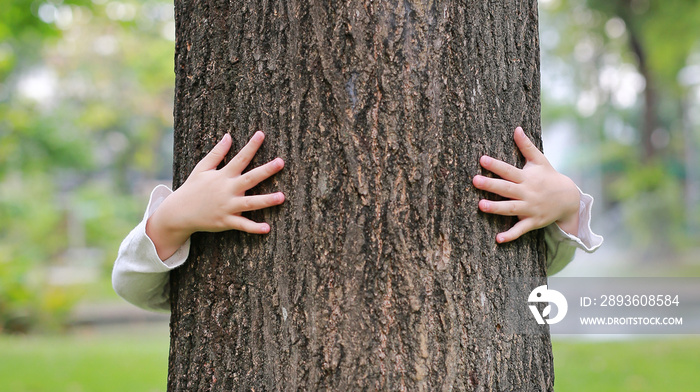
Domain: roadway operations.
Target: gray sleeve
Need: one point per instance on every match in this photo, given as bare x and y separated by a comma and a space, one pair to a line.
561, 246
139, 275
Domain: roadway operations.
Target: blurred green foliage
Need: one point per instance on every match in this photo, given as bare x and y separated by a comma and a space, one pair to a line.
627, 79
86, 90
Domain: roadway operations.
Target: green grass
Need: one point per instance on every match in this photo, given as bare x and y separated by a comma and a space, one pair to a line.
127, 361
136, 360
658, 364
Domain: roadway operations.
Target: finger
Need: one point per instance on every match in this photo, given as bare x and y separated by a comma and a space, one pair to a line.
505, 208
243, 158
216, 155
259, 174
516, 231
500, 187
257, 202
502, 169
237, 222
527, 148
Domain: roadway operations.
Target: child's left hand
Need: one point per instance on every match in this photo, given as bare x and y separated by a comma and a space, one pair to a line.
539, 195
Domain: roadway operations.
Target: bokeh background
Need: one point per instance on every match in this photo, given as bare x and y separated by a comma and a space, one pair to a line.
86, 99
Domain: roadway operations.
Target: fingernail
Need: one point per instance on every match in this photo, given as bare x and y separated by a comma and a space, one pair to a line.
279, 197
500, 238
484, 205
485, 160
265, 228
279, 162
478, 181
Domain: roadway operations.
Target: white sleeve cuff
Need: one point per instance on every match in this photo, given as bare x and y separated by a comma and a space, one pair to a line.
158, 195
586, 239
561, 245
139, 275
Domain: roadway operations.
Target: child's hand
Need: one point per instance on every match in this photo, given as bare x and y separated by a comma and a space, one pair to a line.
539, 195
212, 200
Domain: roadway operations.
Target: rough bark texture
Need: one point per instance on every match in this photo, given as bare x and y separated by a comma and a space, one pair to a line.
379, 272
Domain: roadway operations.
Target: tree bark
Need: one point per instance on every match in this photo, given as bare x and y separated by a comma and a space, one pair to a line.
379, 272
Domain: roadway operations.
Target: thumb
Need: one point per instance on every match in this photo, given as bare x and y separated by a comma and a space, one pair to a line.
215, 156
520, 228
527, 148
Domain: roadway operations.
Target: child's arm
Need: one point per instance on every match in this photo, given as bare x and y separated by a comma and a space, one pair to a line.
210, 200
540, 197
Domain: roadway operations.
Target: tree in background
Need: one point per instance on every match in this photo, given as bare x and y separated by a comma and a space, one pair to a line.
379, 273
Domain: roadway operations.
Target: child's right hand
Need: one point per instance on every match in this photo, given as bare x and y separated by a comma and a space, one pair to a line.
212, 200
539, 195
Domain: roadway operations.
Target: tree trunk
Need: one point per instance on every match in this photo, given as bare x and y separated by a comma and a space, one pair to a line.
650, 118
379, 272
